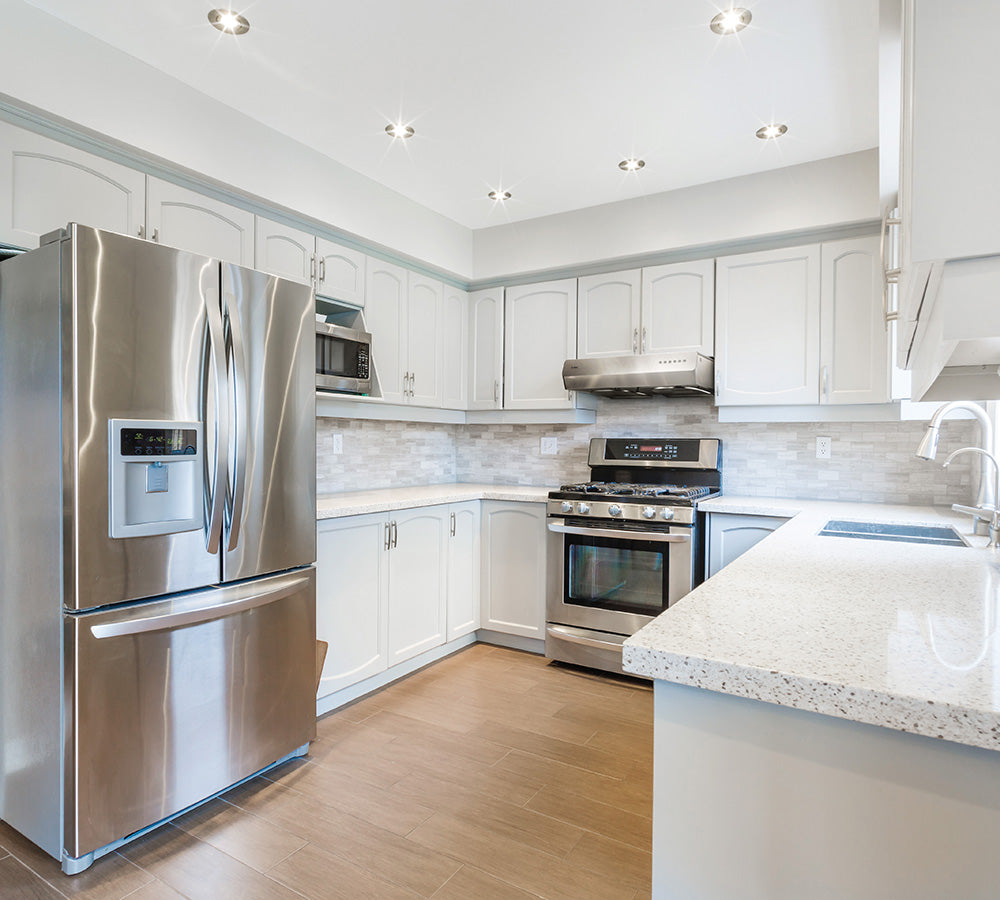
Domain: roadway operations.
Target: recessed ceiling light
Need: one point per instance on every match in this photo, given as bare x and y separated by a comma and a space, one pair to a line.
731, 20
228, 21
770, 132
499, 195
631, 165
398, 130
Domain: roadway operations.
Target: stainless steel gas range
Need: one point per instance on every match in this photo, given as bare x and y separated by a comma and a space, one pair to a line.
627, 544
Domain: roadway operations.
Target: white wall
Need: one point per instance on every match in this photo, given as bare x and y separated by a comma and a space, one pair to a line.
828, 192
46, 63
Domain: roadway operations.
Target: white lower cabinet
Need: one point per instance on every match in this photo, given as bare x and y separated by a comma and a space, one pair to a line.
390, 586
513, 575
352, 598
463, 569
418, 576
730, 535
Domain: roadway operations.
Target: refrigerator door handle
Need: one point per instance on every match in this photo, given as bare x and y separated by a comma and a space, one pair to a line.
204, 613
217, 350
234, 343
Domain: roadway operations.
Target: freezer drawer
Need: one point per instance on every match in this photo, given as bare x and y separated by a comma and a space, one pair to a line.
172, 700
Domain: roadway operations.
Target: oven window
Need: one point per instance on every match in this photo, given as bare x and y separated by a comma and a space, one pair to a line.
629, 576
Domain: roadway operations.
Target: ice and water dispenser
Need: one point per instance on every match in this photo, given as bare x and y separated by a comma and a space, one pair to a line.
156, 477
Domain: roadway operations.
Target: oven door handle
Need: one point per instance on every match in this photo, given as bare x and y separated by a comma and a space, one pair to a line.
621, 534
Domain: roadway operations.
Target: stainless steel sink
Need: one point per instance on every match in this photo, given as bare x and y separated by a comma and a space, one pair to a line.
942, 535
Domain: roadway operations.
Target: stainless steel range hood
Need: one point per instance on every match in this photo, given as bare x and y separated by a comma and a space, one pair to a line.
676, 374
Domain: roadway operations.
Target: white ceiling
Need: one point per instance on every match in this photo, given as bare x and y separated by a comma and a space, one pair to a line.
541, 97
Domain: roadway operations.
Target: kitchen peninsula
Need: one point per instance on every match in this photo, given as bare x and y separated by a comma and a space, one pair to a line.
827, 718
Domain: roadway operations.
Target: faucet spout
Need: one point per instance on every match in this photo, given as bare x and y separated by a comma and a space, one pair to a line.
988, 488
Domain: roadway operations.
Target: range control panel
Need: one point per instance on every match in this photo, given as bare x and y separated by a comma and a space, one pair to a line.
663, 453
625, 448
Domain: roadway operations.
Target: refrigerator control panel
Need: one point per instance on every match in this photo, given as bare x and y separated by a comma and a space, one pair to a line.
155, 477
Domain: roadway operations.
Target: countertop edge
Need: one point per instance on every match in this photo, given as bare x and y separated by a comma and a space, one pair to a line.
357, 503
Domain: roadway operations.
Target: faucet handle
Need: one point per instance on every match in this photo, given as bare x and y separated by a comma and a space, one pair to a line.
979, 512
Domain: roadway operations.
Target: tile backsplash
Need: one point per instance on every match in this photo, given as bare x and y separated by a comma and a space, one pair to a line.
871, 461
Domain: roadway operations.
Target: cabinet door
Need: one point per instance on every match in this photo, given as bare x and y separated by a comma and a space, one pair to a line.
385, 316
767, 327
181, 218
609, 314
455, 349
44, 185
486, 349
463, 569
678, 308
539, 336
352, 612
730, 536
513, 574
283, 251
854, 341
418, 575
341, 272
424, 338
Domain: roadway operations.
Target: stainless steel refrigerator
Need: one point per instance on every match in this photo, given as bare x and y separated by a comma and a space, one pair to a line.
157, 534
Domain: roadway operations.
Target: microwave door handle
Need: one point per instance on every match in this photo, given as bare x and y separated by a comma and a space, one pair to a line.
216, 353
240, 427
621, 534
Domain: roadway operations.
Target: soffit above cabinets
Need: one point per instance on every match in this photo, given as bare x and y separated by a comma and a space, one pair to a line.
540, 98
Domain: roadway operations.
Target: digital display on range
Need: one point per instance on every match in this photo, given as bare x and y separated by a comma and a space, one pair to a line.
159, 442
664, 451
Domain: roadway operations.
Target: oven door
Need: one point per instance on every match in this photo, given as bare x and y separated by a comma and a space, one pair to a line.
615, 579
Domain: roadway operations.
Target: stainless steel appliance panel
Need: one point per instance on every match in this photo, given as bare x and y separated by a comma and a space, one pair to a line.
31, 577
145, 337
271, 500
177, 699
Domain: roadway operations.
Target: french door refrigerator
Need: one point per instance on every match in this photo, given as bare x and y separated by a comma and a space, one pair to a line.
157, 534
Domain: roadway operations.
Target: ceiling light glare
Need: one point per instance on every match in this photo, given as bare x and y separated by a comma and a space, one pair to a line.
398, 130
631, 165
228, 21
730, 21
499, 195
770, 132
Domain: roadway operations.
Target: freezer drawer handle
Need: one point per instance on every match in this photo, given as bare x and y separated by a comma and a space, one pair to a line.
196, 616
622, 534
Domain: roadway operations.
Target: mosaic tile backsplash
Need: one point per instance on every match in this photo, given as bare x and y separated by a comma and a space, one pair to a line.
871, 461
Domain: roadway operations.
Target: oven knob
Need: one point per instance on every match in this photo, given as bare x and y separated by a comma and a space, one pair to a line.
667, 514
614, 510
648, 512
567, 507
583, 508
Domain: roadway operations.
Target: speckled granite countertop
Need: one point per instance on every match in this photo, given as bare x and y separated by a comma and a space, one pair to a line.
356, 503
892, 634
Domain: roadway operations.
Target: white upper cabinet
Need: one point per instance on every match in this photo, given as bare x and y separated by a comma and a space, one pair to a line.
767, 327
486, 349
678, 308
455, 349
44, 185
539, 336
284, 251
609, 310
386, 318
854, 351
425, 363
654, 310
181, 218
340, 272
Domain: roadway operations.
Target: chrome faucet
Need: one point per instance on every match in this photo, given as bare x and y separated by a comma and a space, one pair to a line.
994, 524
986, 499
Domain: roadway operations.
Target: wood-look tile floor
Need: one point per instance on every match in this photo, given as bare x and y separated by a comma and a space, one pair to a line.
490, 775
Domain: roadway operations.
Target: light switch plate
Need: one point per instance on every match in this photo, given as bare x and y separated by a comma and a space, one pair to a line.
550, 446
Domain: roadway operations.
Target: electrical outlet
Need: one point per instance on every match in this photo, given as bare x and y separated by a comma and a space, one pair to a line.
338, 443
824, 447
549, 446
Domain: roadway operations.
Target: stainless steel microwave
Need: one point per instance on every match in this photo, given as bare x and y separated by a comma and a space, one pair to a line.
343, 359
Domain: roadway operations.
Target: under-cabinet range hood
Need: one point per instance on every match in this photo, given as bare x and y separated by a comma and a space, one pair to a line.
672, 374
